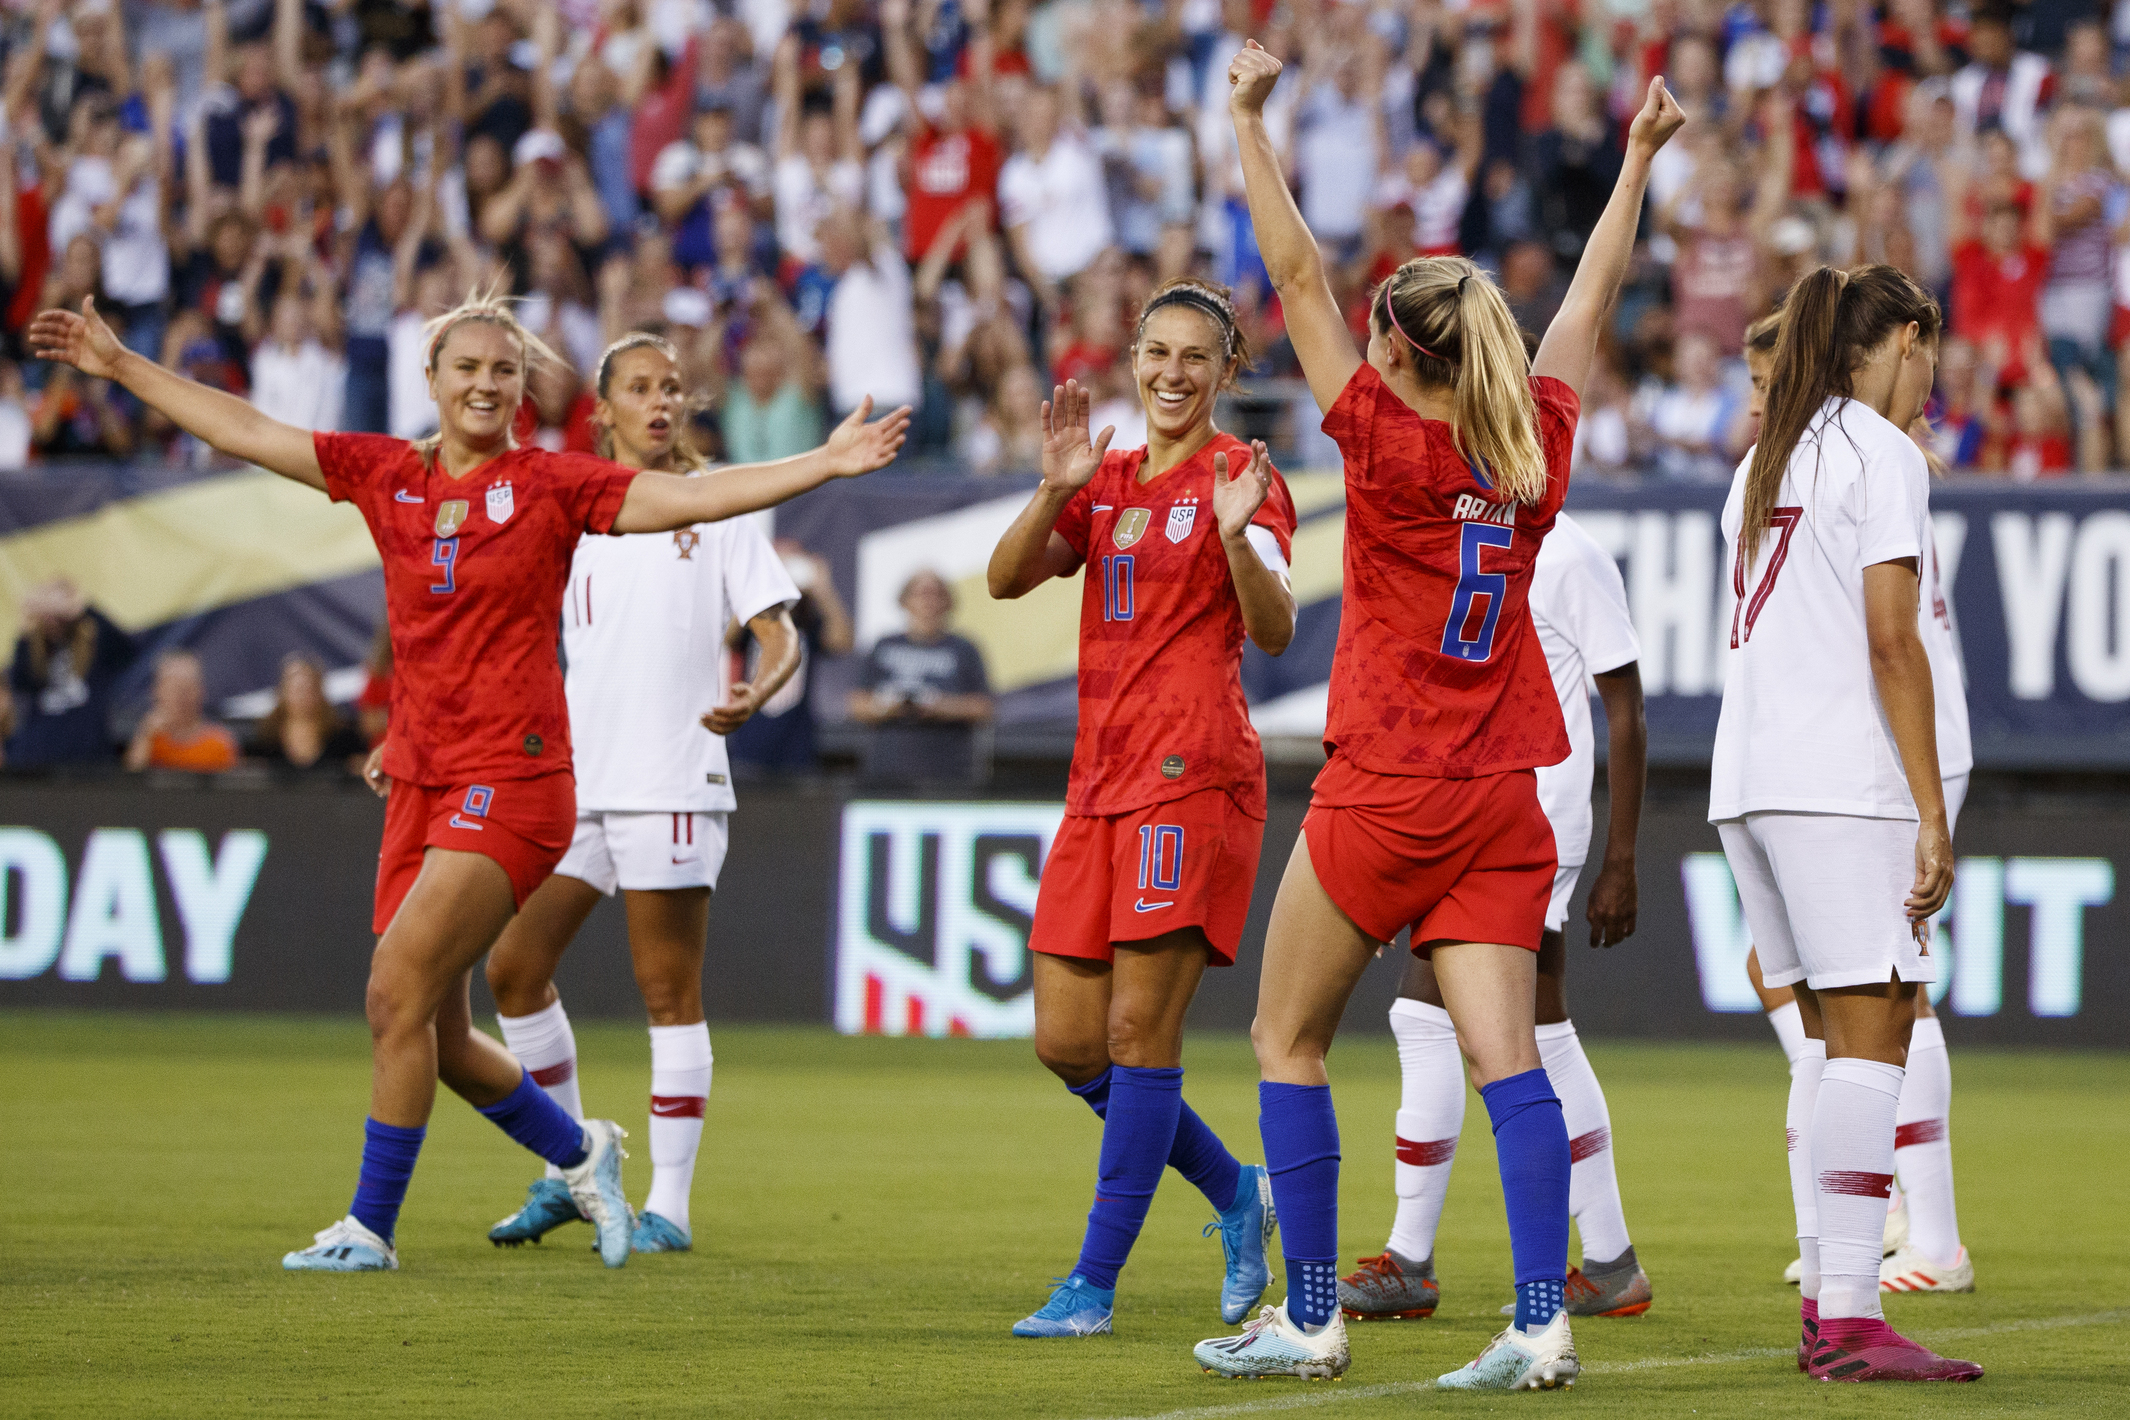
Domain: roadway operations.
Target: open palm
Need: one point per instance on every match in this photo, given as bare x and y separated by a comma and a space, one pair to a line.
83, 340
1237, 497
858, 447
1069, 457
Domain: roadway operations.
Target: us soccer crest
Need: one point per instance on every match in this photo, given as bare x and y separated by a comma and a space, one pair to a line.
1182, 517
1131, 527
686, 540
500, 504
450, 517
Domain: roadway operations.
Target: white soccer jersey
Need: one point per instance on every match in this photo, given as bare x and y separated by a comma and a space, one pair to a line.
644, 630
1579, 608
1802, 729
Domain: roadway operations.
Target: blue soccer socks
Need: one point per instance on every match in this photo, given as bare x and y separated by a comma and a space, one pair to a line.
1138, 1130
530, 1116
1531, 1146
1197, 1153
1301, 1134
388, 1155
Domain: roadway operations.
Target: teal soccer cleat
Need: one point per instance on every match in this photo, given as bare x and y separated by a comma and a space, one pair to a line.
1074, 1309
547, 1207
1245, 1240
657, 1234
595, 1187
1274, 1346
1515, 1361
347, 1246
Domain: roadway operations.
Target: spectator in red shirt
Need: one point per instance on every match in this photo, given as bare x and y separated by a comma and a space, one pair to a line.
954, 152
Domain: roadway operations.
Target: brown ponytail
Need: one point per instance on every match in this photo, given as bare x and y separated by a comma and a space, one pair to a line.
1451, 317
1829, 324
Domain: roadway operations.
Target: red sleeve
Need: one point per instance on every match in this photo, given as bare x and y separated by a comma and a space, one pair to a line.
591, 490
352, 462
1276, 515
1351, 420
1558, 409
1074, 521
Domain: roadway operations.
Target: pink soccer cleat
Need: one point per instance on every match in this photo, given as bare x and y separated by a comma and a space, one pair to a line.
1853, 1348
1808, 1342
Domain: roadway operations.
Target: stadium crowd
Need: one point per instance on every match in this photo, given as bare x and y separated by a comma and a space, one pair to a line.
954, 203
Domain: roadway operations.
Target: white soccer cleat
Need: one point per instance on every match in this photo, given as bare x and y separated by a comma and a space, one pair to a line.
347, 1246
1910, 1271
1514, 1361
1275, 1346
1794, 1274
595, 1185
1895, 1236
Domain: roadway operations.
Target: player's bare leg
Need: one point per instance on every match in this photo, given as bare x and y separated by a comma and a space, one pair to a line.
521, 976
668, 931
1113, 1032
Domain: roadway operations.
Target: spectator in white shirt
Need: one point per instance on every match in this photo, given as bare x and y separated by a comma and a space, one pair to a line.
1052, 198
820, 162
14, 418
872, 338
294, 377
1336, 153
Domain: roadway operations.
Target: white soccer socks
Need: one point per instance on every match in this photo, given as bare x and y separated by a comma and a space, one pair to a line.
1430, 1117
1852, 1158
547, 1048
1789, 1026
1593, 1187
680, 1087
1923, 1147
1806, 1069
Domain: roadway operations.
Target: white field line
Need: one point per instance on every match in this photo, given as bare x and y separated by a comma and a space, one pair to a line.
1341, 1394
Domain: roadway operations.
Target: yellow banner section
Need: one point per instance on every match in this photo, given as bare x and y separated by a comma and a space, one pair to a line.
144, 561
1037, 638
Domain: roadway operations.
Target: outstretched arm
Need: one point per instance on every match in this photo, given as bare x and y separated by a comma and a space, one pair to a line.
1031, 552
222, 420
1321, 340
659, 502
1571, 341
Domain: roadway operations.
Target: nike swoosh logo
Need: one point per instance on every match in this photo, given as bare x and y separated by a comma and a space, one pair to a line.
403, 497
1142, 905
678, 861
1105, 507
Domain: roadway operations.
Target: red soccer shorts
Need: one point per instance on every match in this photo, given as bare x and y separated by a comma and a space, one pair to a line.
524, 825
1458, 860
1190, 862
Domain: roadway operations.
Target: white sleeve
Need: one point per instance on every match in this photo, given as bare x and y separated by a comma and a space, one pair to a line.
755, 579
1267, 546
1014, 198
1587, 600
1896, 508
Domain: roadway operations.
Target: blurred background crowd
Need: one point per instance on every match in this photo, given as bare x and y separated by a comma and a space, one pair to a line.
955, 203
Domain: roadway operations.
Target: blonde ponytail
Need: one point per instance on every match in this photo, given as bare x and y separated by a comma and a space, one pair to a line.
1453, 319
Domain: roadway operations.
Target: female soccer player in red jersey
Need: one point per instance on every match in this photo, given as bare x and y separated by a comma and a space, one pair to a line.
1826, 782
1427, 815
1185, 543
476, 536
644, 631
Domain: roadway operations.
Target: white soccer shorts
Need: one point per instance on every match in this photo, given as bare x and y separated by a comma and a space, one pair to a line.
1823, 895
647, 852
1564, 880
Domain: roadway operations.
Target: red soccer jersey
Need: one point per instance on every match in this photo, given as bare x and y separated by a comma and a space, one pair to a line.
475, 569
1438, 670
946, 170
1162, 712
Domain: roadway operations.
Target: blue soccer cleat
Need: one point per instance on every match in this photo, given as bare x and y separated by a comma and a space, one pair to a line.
1515, 1361
658, 1234
547, 1207
347, 1246
595, 1187
1245, 1240
1074, 1309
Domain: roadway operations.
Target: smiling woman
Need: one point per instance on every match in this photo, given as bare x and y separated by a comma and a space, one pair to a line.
476, 536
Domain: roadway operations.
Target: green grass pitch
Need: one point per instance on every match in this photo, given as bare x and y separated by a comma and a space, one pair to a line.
871, 1215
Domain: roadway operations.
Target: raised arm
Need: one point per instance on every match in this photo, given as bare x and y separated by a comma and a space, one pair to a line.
1613, 907
1318, 331
1031, 552
1571, 340
222, 420
1900, 669
660, 502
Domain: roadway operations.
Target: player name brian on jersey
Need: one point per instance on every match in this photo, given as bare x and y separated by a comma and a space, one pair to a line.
1479, 509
